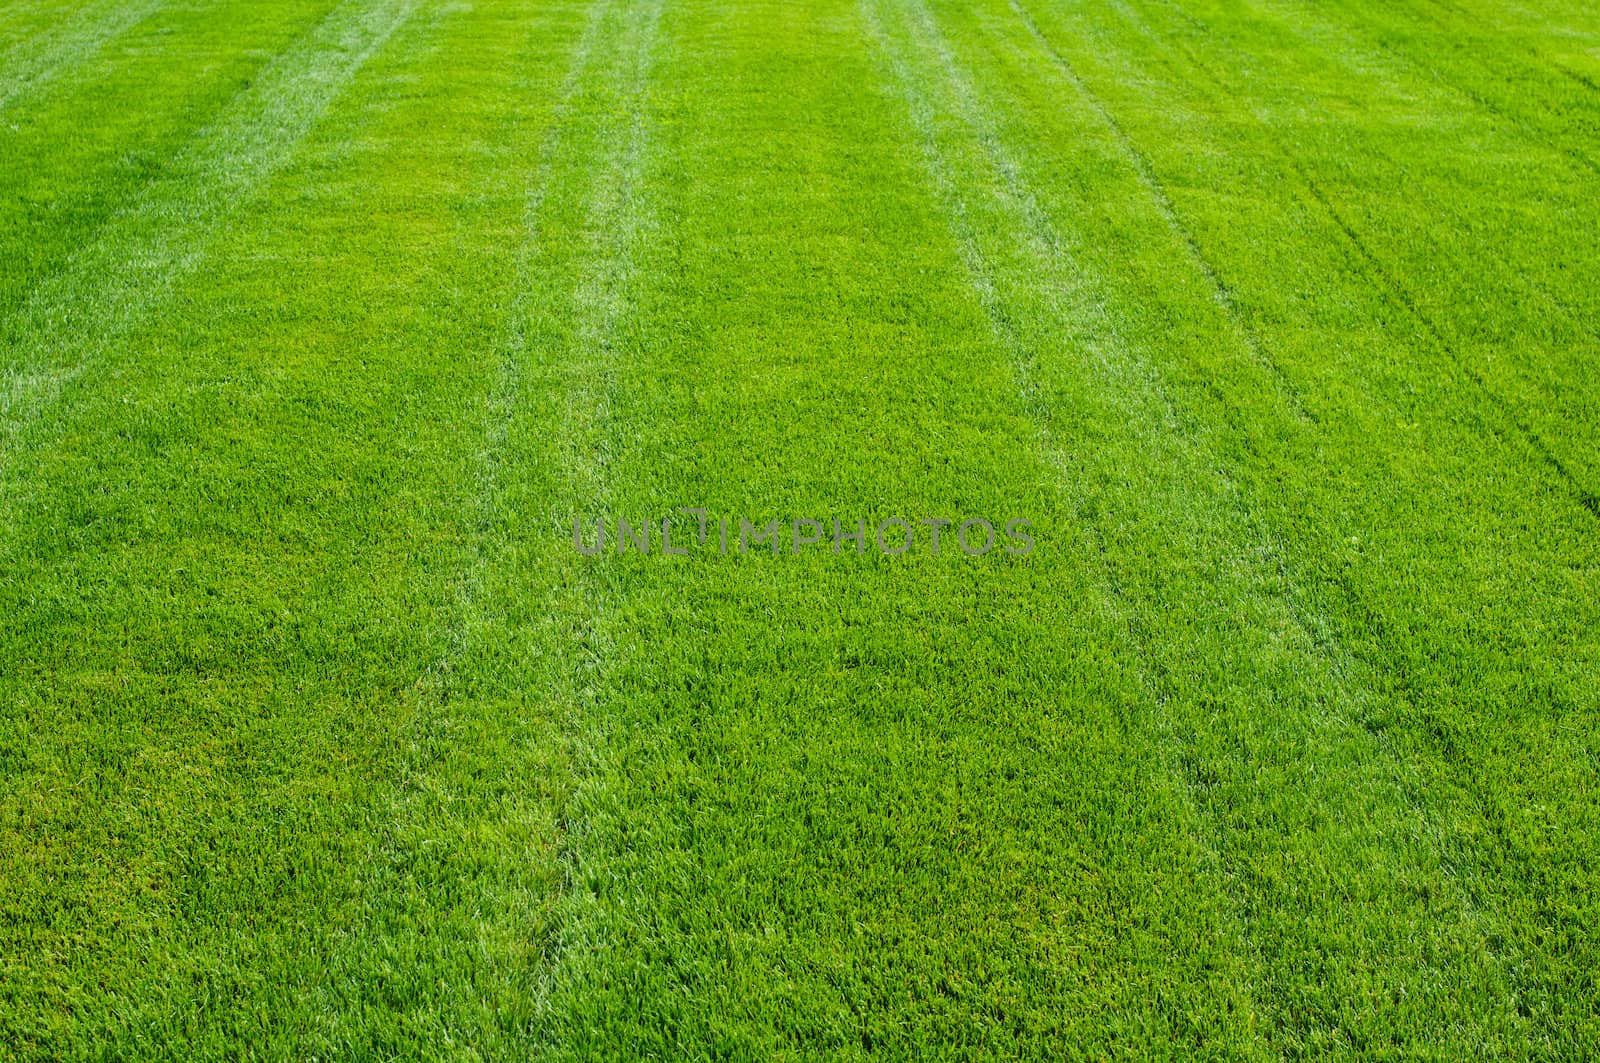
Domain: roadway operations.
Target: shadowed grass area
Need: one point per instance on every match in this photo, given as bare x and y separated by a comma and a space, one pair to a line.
323, 321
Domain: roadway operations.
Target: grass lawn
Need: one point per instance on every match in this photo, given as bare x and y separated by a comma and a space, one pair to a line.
1273, 732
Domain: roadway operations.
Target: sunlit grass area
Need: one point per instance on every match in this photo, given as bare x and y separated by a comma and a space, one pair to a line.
1276, 324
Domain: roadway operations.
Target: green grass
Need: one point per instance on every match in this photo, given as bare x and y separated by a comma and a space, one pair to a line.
321, 320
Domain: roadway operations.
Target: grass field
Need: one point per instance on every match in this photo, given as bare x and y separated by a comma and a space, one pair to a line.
321, 321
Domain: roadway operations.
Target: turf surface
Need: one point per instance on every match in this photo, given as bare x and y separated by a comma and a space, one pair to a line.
322, 320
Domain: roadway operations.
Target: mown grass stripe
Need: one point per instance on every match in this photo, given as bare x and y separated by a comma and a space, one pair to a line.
501, 695
1086, 321
1330, 728
31, 65
580, 343
73, 317
1535, 29
171, 76
1169, 213
751, 748
1514, 281
236, 608
1429, 649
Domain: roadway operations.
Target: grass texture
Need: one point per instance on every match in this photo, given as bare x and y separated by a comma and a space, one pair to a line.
322, 320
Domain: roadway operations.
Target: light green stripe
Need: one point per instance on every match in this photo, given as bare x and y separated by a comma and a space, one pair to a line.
31, 65
76, 316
